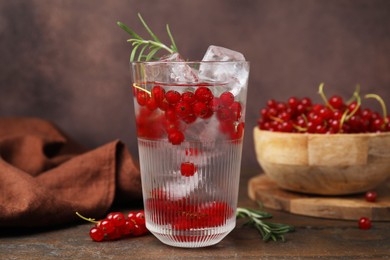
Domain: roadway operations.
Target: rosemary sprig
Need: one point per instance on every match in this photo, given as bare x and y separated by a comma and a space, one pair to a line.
147, 48
268, 230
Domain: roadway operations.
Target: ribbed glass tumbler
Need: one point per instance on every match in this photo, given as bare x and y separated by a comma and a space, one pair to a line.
190, 127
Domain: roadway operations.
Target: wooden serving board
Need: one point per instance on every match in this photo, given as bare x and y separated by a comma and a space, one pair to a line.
262, 188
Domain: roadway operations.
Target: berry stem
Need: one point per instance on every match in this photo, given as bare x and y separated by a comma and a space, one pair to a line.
359, 102
383, 105
323, 96
92, 220
355, 94
138, 87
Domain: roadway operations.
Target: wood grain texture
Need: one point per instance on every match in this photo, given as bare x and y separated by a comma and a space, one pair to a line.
314, 238
262, 188
336, 164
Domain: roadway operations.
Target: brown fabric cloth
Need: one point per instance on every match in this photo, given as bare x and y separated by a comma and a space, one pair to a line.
45, 177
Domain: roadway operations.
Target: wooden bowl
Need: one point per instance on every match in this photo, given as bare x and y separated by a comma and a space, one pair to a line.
325, 164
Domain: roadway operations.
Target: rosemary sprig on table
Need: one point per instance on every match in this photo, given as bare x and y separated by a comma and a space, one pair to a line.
147, 48
268, 230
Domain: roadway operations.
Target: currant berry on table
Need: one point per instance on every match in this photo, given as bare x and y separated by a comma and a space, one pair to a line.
364, 223
371, 196
116, 225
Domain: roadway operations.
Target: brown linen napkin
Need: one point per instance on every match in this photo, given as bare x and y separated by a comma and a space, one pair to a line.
45, 177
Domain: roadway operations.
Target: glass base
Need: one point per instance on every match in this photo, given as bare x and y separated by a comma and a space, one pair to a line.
192, 238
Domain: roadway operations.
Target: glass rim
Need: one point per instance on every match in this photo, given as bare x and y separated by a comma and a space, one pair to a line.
189, 62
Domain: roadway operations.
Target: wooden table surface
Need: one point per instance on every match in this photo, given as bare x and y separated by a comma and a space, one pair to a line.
314, 238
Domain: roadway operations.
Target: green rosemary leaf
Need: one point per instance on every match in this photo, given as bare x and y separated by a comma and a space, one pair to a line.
152, 53
127, 29
173, 46
140, 55
148, 29
268, 230
133, 52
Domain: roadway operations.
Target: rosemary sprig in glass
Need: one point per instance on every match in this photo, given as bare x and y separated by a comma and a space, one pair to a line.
147, 49
268, 230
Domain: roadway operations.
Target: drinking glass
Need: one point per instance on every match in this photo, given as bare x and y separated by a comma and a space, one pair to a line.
190, 128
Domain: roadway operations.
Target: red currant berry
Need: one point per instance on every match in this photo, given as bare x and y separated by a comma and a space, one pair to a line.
236, 110
224, 114
140, 217
142, 97
151, 104
116, 234
158, 93
128, 227
140, 230
336, 102
187, 169
188, 97
306, 102
170, 114
163, 104
364, 223
189, 119
227, 98
200, 109
175, 137
117, 218
371, 196
293, 102
271, 103
106, 226
183, 109
173, 97
96, 234
204, 94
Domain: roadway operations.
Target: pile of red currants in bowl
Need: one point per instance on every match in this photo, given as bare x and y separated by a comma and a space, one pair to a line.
334, 116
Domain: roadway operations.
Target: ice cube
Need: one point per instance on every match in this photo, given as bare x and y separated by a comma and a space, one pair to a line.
232, 76
217, 53
206, 131
174, 71
179, 72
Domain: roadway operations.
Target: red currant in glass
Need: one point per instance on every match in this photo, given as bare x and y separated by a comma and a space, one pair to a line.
142, 97
175, 137
188, 97
224, 114
200, 109
183, 109
173, 97
187, 169
227, 98
96, 234
236, 110
364, 223
158, 93
204, 94
371, 196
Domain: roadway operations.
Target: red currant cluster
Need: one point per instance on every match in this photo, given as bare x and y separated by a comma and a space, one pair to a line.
335, 116
170, 112
116, 226
184, 215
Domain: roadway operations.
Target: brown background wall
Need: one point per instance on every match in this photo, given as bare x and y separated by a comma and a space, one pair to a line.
67, 61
